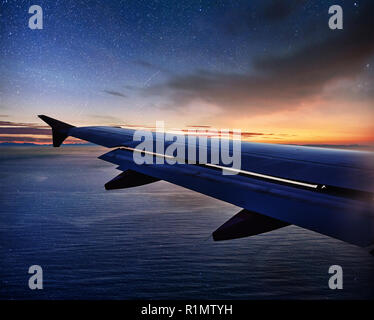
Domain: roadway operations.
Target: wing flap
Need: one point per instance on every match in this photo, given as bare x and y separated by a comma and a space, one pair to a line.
245, 224
129, 179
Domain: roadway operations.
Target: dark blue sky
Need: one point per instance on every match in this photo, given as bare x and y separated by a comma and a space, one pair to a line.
206, 62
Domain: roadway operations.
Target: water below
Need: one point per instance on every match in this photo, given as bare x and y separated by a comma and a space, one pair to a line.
150, 242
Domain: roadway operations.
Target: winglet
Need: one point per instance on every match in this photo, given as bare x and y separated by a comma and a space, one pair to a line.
60, 130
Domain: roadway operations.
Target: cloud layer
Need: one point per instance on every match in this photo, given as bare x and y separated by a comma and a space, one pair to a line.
281, 80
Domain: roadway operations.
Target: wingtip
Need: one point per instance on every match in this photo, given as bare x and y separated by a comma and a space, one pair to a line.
45, 118
60, 130
54, 122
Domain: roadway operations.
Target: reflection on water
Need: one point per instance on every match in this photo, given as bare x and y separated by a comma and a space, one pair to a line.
148, 242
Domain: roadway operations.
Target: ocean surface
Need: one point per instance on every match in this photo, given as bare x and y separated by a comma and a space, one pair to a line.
151, 242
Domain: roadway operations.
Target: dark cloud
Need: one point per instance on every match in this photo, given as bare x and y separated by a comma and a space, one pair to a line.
281, 80
24, 130
151, 66
115, 93
245, 17
280, 9
198, 126
20, 124
12, 124
13, 139
131, 87
254, 134
145, 64
21, 132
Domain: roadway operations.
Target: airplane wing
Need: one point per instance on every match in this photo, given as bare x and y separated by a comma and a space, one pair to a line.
325, 190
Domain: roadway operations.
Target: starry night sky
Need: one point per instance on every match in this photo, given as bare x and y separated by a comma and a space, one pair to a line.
271, 68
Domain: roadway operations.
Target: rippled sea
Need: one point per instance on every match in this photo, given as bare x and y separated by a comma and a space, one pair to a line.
151, 242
